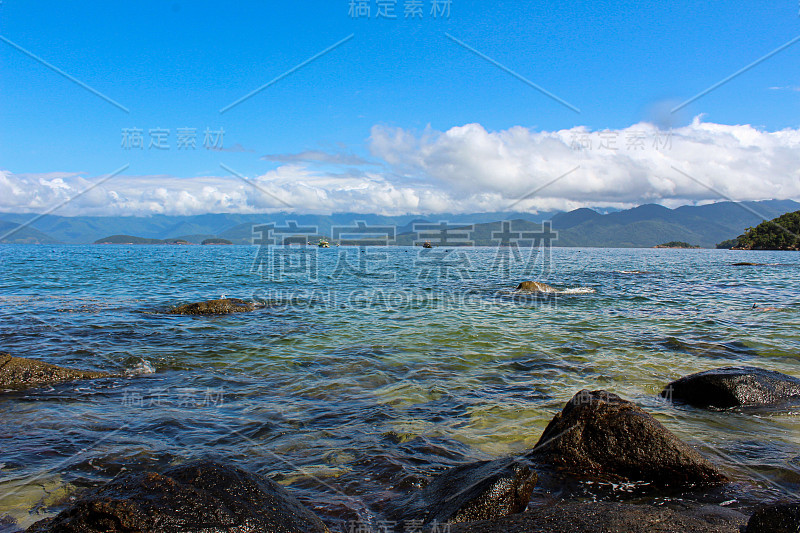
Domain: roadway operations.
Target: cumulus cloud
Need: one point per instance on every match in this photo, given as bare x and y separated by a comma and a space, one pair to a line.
463, 169
641, 163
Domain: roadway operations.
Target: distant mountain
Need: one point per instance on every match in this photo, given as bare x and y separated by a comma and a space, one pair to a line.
576, 217
643, 226
649, 225
12, 233
84, 230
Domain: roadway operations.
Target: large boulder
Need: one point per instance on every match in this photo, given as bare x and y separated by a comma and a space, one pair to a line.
475, 491
23, 373
743, 386
783, 518
224, 306
600, 435
200, 496
611, 517
534, 286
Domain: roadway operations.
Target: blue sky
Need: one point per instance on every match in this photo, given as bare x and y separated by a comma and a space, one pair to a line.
176, 64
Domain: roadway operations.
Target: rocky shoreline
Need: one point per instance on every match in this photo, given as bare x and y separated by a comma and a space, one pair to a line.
598, 437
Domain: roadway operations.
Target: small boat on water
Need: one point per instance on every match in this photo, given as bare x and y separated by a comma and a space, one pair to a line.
427, 244
324, 244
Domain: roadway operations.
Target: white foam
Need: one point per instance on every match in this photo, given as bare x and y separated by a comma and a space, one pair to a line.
577, 290
142, 367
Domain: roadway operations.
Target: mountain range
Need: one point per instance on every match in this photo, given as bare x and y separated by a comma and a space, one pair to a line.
644, 226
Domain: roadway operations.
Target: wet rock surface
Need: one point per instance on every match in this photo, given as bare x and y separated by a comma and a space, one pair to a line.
600, 435
224, 306
475, 491
200, 496
22, 373
784, 518
744, 386
534, 286
611, 517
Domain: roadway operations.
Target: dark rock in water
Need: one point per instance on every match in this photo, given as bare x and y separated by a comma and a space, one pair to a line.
22, 373
8, 523
608, 517
534, 286
200, 496
784, 518
224, 306
598, 434
475, 491
734, 387
745, 264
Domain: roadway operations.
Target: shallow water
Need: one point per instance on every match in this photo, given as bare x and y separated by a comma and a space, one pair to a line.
351, 389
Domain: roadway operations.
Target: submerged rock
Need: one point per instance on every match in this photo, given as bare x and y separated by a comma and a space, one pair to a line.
8, 523
743, 386
224, 306
598, 434
23, 373
534, 286
200, 496
611, 517
784, 518
475, 491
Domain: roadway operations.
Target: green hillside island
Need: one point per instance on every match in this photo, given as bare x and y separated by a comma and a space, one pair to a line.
676, 244
130, 239
782, 233
215, 240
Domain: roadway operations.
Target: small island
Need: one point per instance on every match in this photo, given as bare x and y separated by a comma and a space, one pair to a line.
130, 239
676, 244
127, 239
216, 241
782, 233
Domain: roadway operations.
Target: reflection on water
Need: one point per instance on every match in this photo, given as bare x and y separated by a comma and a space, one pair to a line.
351, 390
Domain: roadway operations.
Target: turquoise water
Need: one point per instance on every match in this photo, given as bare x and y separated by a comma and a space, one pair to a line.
351, 389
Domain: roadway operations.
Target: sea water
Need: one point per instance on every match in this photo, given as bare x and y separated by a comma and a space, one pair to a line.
369, 370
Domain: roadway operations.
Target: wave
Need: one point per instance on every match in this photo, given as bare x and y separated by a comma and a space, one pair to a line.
577, 290
142, 367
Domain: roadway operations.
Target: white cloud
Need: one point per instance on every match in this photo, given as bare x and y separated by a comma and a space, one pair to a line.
738, 162
464, 169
